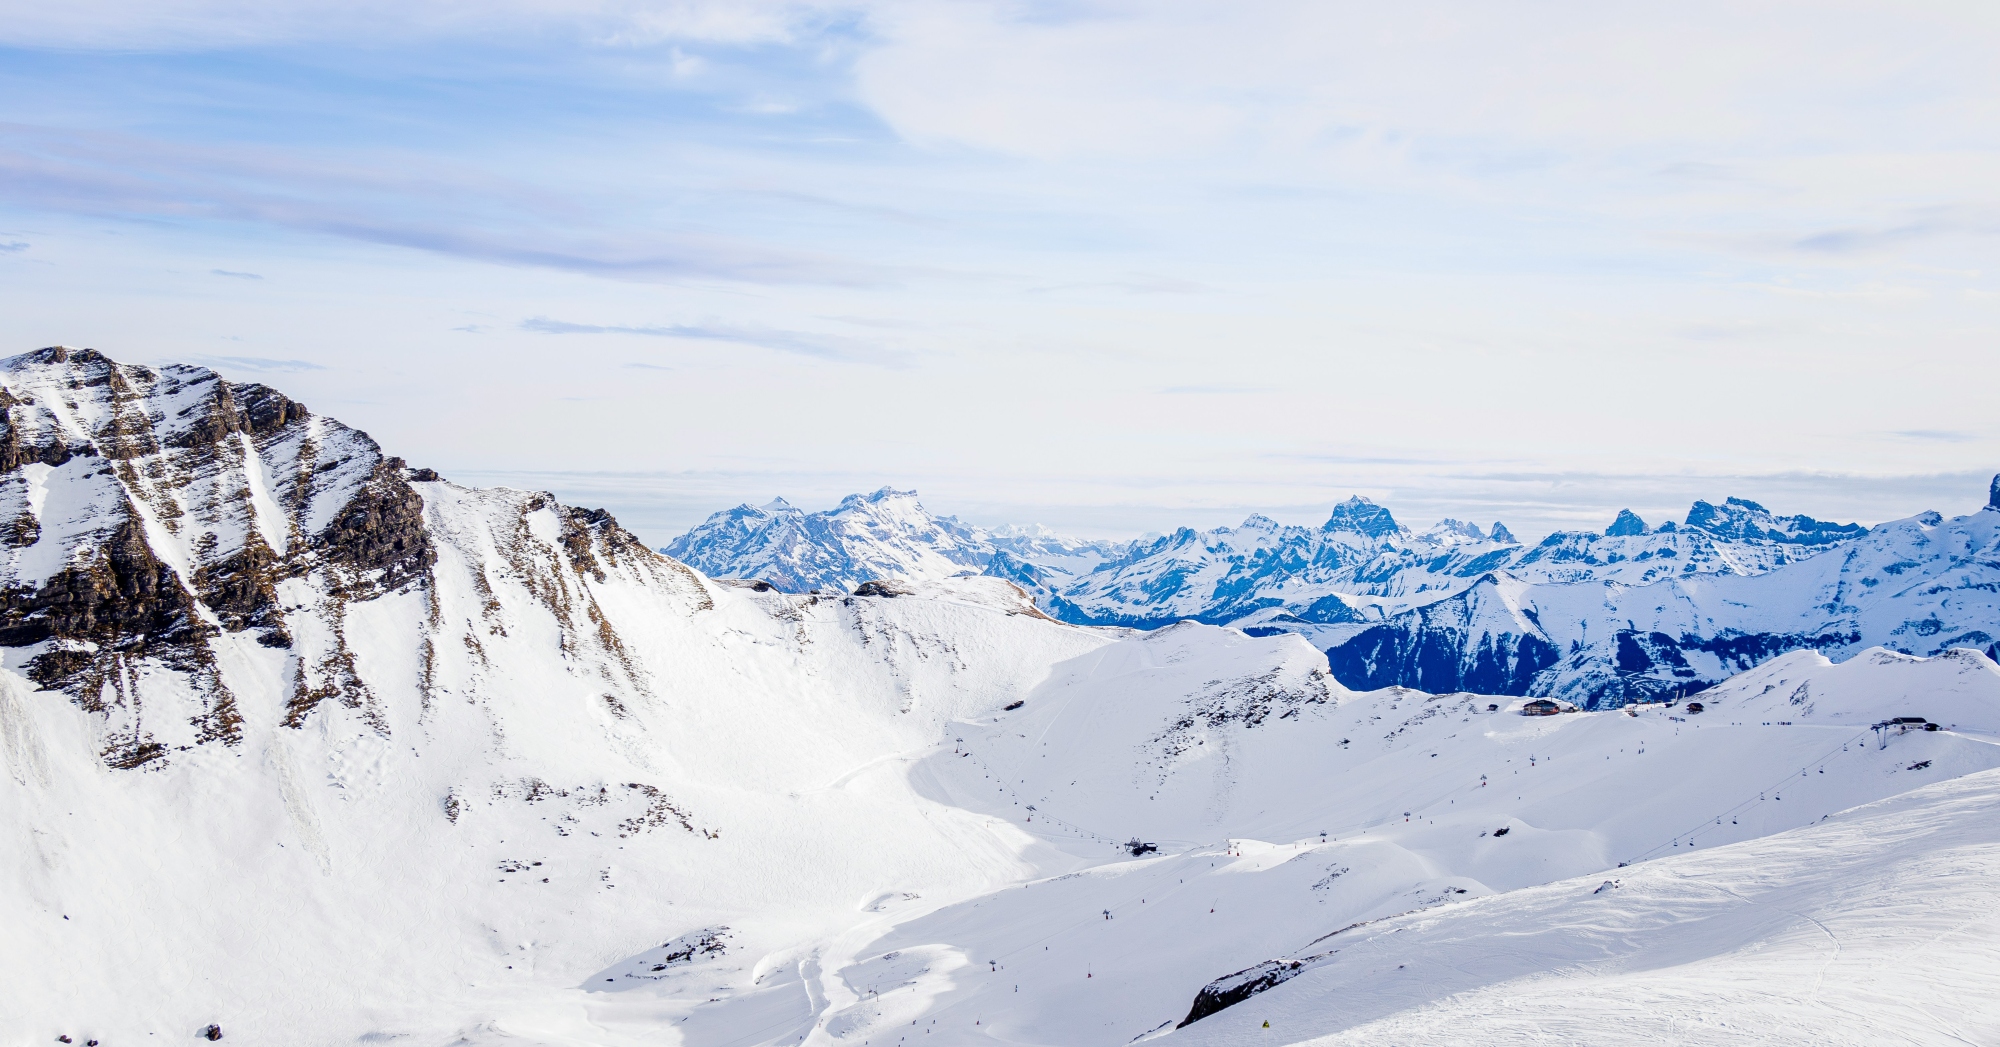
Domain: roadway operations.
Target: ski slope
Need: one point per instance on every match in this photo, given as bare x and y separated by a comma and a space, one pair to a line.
1409, 807
1876, 926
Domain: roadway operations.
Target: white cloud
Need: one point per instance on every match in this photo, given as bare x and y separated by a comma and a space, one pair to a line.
165, 25
1164, 254
1188, 78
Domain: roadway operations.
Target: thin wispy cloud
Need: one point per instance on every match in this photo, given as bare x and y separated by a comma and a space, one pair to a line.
1724, 331
447, 210
821, 202
824, 347
1215, 389
1949, 436
235, 275
199, 25
258, 363
1695, 170
1927, 224
1137, 284
13, 246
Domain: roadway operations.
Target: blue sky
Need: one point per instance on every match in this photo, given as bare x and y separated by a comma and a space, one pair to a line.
1113, 267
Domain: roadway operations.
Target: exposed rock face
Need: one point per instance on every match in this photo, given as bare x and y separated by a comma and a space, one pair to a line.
164, 532
146, 511
379, 536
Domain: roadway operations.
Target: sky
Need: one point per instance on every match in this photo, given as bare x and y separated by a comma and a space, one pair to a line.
1111, 267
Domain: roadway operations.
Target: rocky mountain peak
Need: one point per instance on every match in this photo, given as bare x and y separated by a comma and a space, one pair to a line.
877, 497
1993, 494
1744, 520
1457, 529
1627, 524
1361, 516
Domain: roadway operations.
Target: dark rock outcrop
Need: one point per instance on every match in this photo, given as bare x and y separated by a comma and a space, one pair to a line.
1233, 989
125, 589
380, 535
253, 409
189, 501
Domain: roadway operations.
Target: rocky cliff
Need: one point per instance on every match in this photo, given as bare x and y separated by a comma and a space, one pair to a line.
158, 519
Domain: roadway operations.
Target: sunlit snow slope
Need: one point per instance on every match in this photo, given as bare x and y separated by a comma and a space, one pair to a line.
1875, 926
1237, 782
442, 765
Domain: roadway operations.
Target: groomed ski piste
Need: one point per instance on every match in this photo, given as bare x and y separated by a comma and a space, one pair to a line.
558, 789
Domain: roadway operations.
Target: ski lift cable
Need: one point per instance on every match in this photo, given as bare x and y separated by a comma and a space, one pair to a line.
1113, 909
1446, 793
1746, 804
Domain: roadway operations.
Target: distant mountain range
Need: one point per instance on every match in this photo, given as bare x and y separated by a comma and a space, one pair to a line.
887, 534
1596, 618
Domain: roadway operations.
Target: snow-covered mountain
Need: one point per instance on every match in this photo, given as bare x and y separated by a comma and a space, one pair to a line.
461, 766
1440, 609
1361, 564
1922, 585
884, 535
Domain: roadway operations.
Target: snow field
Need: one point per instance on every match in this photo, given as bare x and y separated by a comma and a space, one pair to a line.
567, 763
1409, 825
